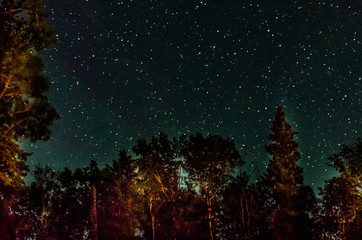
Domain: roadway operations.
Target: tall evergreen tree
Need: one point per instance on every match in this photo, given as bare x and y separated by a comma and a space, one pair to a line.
288, 200
283, 172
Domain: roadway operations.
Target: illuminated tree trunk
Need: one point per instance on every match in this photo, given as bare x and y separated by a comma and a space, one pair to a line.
152, 220
43, 221
42, 215
93, 212
209, 210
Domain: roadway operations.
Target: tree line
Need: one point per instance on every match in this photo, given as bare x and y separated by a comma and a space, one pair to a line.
193, 187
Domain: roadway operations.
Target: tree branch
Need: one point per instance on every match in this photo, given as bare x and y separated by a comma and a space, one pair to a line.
11, 127
7, 82
158, 178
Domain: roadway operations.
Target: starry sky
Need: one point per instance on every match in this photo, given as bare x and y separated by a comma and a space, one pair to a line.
124, 70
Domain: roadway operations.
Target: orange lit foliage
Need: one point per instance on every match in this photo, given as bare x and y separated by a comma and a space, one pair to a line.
25, 112
159, 179
209, 162
342, 196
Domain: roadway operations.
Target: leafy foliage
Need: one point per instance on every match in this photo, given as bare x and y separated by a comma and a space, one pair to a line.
25, 112
342, 196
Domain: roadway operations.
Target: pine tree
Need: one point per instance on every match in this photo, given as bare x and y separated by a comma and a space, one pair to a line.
283, 173
288, 200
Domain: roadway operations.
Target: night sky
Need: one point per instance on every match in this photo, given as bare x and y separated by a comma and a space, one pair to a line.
124, 70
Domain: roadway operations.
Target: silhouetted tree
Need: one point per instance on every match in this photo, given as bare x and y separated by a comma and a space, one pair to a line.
159, 177
94, 179
237, 203
192, 216
35, 213
72, 211
209, 162
288, 200
119, 209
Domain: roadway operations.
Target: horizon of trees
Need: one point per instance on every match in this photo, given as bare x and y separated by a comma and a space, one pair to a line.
193, 187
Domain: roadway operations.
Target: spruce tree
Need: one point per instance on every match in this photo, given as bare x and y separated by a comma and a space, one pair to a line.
283, 173
288, 200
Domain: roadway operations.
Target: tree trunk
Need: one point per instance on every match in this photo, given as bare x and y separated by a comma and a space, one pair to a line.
246, 207
152, 221
119, 217
175, 226
243, 233
42, 215
94, 217
249, 209
209, 209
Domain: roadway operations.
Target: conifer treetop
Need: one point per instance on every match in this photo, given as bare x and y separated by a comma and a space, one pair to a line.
283, 172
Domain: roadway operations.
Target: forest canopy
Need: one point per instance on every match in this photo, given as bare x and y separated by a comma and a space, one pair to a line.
193, 187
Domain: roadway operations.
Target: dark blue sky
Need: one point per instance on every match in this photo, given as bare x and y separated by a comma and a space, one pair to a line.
124, 70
